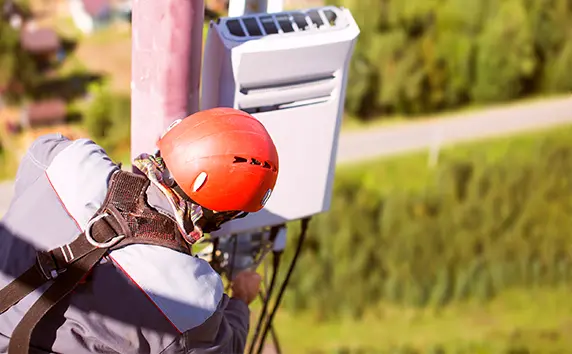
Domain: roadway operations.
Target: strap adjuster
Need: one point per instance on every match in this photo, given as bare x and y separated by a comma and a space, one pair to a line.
47, 266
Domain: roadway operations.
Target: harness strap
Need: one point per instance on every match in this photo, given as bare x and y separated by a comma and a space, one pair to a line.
20, 287
50, 264
20, 339
124, 218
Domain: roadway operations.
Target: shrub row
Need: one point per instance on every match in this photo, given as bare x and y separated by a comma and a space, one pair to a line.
477, 228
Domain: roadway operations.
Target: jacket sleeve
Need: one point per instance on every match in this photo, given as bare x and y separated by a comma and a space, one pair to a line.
237, 318
224, 332
39, 156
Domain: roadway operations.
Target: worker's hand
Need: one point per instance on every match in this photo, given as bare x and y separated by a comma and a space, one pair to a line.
246, 285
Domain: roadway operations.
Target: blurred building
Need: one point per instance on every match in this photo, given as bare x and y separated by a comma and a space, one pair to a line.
43, 113
41, 42
90, 15
44, 44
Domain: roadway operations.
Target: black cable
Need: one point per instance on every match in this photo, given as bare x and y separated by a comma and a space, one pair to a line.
303, 232
215, 243
231, 259
275, 265
272, 330
263, 312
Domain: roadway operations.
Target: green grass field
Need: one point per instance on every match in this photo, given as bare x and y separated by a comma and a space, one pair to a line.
535, 317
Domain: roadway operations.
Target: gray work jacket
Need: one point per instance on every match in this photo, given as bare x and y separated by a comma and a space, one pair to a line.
139, 299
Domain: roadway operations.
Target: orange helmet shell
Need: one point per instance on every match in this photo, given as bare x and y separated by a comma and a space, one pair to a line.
222, 158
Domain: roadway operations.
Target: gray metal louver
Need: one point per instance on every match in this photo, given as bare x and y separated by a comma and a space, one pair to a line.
263, 24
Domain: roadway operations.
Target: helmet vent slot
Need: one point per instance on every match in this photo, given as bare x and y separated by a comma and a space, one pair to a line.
238, 159
265, 164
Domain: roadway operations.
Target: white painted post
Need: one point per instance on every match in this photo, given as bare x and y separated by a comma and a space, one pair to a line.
273, 6
241, 7
236, 8
435, 147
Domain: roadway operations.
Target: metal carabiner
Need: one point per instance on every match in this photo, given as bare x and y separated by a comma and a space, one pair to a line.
93, 242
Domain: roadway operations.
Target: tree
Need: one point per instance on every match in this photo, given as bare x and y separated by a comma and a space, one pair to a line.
107, 119
506, 54
18, 71
425, 56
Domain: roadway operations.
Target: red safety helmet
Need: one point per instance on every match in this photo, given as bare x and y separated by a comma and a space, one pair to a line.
222, 158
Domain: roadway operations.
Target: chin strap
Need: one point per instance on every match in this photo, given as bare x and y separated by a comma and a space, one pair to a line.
187, 214
193, 220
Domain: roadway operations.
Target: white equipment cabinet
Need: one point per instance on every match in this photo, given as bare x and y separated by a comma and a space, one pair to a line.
289, 70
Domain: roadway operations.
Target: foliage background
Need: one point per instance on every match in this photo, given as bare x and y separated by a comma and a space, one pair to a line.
404, 246
485, 220
421, 56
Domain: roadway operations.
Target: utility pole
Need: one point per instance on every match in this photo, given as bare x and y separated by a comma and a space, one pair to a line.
166, 64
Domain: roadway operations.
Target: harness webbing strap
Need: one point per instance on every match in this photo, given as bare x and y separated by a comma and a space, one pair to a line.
124, 218
20, 339
49, 265
20, 287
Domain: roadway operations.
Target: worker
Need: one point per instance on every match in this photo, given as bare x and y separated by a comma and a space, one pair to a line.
95, 259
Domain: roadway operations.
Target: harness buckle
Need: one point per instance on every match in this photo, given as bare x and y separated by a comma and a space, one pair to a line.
93, 242
47, 266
